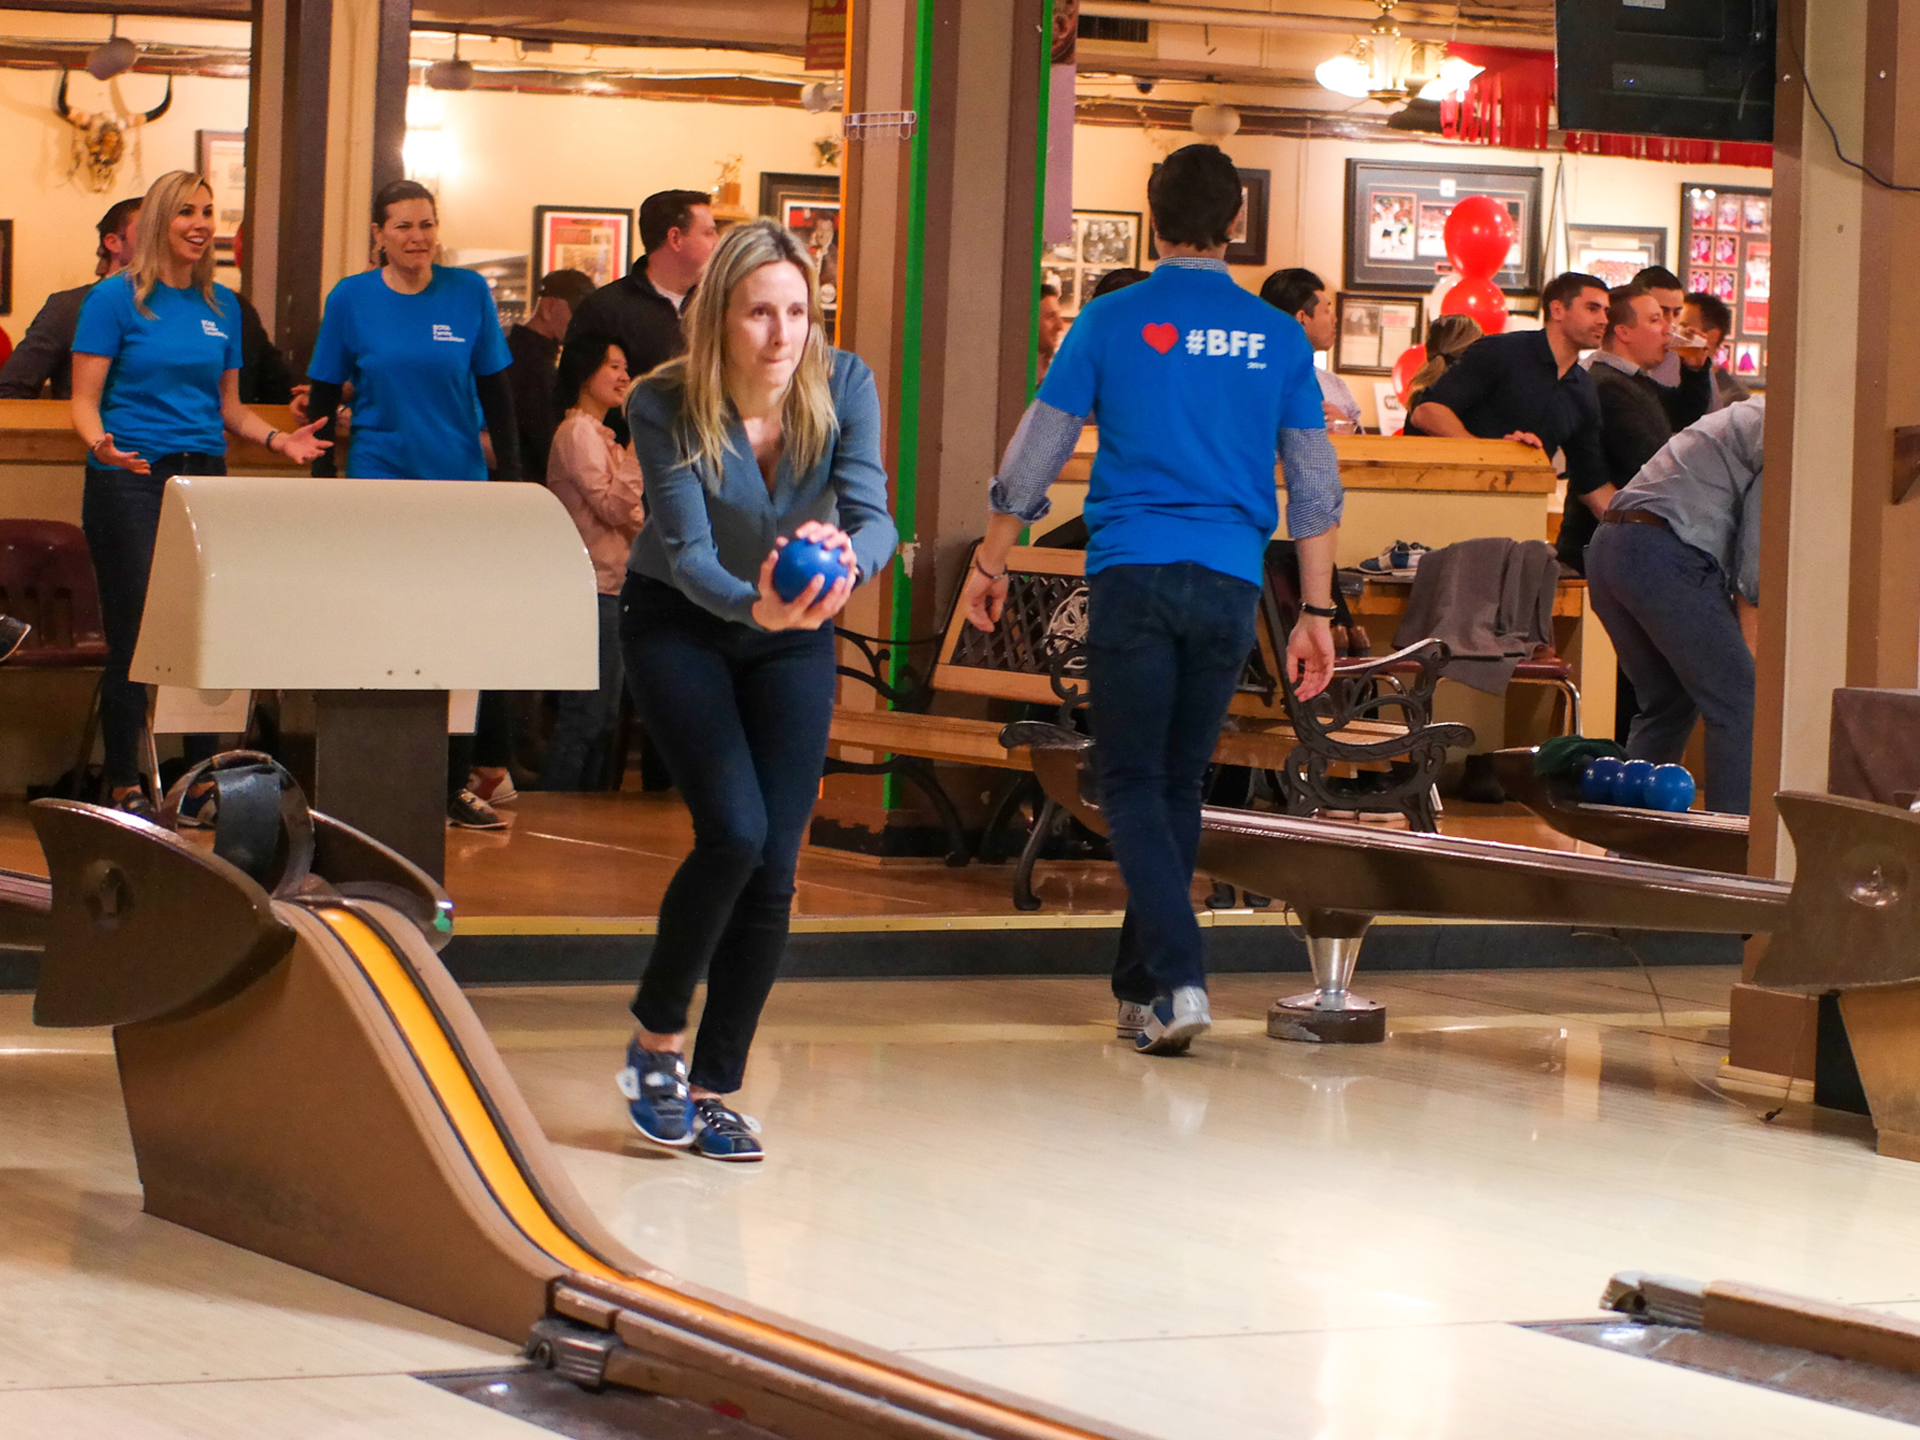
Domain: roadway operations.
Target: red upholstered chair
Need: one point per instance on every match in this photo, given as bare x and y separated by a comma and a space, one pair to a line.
46, 579
6, 345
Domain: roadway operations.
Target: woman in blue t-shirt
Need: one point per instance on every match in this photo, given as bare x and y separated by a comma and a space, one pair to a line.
421, 346
156, 392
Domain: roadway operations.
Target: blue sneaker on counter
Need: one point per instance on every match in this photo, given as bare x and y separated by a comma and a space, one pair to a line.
654, 1083
1174, 1021
723, 1133
1401, 560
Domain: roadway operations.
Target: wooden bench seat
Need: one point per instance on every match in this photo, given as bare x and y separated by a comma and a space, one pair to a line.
1374, 721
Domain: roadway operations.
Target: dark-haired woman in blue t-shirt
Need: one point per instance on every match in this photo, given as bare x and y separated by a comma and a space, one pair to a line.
421, 345
156, 392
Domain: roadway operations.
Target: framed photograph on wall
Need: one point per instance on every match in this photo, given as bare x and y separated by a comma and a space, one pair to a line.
592, 239
1726, 240
809, 205
223, 161
1372, 331
1397, 222
1615, 253
1247, 241
1102, 240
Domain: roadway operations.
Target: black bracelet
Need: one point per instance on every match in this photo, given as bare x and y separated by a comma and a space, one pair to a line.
1321, 612
986, 572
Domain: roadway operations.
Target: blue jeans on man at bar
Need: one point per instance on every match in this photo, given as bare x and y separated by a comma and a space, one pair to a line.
1166, 645
1667, 611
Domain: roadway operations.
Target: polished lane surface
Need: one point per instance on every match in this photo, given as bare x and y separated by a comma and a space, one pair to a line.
1261, 1239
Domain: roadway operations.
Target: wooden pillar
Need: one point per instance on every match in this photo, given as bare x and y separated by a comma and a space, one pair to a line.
1840, 559
326, 121
287, 160
939, 262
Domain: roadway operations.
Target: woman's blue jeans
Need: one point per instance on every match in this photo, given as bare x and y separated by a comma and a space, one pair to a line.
740, 717
120, 516
1166, 646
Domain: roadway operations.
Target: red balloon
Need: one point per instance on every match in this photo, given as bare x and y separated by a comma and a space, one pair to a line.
1479, 236
1480, 298
1411, 359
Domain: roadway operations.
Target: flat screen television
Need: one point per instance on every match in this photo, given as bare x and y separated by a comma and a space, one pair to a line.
1699, 69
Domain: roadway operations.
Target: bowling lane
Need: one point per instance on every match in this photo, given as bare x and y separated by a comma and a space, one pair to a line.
93, 1293
974, 1172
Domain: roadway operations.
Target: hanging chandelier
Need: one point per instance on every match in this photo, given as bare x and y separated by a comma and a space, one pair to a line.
1382, 65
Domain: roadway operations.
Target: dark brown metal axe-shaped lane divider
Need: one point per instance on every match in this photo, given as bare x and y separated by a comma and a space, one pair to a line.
1850, 922
303, 1078
1696, 839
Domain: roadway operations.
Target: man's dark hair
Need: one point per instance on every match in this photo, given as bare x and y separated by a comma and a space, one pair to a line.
1658, 277
668, 210
1293, 290
572, 286
1049, 290
1195, 197
1620, 309
1714, 312
114, 222
582, 356
1117, 279
1567, 288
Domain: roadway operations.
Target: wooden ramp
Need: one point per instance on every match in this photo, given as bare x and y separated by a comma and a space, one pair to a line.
304, 1079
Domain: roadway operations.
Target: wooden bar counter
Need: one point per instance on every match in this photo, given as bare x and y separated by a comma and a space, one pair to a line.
1435, 491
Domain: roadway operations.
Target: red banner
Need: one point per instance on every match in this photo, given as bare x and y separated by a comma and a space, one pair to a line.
826, 34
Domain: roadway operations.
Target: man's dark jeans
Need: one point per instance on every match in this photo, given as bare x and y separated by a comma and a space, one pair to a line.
1166, 645
120, 515
1666, 609
741, 719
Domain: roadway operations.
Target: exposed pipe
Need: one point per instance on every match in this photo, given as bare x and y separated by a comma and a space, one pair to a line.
1530, 38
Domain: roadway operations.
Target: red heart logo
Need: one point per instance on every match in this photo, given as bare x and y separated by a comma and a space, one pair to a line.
1161, 337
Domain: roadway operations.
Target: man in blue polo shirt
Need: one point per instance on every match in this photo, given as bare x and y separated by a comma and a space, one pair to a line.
1197, 387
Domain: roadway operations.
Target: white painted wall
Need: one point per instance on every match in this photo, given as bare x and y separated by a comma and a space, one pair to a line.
1307, 218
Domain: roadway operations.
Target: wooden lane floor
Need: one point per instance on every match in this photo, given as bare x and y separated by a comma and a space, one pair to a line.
612, 856
1260, 1239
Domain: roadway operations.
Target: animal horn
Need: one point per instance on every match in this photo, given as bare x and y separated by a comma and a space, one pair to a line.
60, 100
161, 108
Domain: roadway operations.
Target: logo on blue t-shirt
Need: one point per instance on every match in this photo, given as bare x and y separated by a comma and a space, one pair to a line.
209, 328
445, 332
1230, 343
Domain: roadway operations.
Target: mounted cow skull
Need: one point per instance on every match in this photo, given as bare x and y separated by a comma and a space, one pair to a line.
100, 140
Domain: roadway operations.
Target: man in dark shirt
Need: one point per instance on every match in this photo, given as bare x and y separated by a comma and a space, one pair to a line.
535, 346
1528, 385
1638, 414
45, 353
642, 308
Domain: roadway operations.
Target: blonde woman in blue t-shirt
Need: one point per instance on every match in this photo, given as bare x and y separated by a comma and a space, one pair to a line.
156, 392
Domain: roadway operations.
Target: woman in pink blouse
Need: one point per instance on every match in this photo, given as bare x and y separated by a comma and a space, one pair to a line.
598, 481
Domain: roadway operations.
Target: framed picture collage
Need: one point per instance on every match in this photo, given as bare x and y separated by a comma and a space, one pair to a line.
1726, 250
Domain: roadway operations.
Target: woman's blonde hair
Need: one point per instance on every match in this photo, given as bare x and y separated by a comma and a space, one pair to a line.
807, 418
1447, 336
154, 242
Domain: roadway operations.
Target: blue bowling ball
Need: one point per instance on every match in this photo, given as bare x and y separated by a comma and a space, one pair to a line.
800, 561
1631, 787
1671, 788
1598, 779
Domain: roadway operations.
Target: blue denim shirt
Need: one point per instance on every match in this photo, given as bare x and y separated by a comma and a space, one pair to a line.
710, 546
1706, 485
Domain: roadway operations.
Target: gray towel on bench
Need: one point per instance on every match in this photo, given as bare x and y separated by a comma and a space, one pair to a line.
1492, 602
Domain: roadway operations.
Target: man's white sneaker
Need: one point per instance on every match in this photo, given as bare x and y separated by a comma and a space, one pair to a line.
1173, 1022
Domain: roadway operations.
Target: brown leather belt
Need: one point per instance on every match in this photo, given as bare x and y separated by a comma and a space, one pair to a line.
1635, 517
